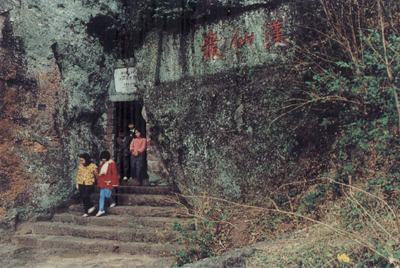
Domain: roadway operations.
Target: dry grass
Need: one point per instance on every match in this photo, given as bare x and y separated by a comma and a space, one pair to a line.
314, 246
361, 225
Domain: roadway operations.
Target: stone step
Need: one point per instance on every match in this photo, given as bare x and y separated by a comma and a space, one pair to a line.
140, 200
118, 221
141, 223
143, 200
152, 235
98, 245
137, 211
159, 190
131, 188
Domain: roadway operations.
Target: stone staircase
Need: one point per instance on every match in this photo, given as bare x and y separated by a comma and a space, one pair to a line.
141, 223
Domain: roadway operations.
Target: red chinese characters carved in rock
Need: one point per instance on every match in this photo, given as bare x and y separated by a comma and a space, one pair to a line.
210, 47
277, 34
241, 40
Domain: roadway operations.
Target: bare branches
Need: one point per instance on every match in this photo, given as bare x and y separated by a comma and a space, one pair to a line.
374, 222
389, 70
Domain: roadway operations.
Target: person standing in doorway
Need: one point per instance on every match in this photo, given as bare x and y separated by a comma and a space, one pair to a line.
86, 178
131, 133
108, 179
131, 127
137, 148
122, 152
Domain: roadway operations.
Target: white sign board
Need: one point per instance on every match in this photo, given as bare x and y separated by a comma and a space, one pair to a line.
125, 80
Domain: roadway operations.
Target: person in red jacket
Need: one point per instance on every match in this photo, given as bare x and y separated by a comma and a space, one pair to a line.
137, 148
108, 179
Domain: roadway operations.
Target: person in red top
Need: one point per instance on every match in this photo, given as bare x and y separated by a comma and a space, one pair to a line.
108, 179
137, 148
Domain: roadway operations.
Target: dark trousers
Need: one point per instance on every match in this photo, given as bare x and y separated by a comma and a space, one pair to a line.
123, 165
136, 166
86, 192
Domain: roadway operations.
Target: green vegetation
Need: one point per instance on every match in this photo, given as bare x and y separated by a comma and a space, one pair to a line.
343, 112
197, 238
202, 235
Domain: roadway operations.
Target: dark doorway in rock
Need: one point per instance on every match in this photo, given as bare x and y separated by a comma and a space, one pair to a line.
129, 112
126, 112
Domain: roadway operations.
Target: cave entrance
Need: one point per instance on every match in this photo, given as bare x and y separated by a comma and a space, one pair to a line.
125, 106
126, 112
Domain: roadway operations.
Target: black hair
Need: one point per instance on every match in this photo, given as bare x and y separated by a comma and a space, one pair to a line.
86, 157
105, 155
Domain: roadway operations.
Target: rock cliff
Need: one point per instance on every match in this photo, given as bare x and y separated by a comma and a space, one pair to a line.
209, 81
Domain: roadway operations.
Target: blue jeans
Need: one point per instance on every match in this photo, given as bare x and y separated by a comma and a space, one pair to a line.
136, 166
104, 194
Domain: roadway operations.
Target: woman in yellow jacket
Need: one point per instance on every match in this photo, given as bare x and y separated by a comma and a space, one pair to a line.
87, 176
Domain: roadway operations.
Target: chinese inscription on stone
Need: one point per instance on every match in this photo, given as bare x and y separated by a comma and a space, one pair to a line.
125, 80
210, 47
273, 35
